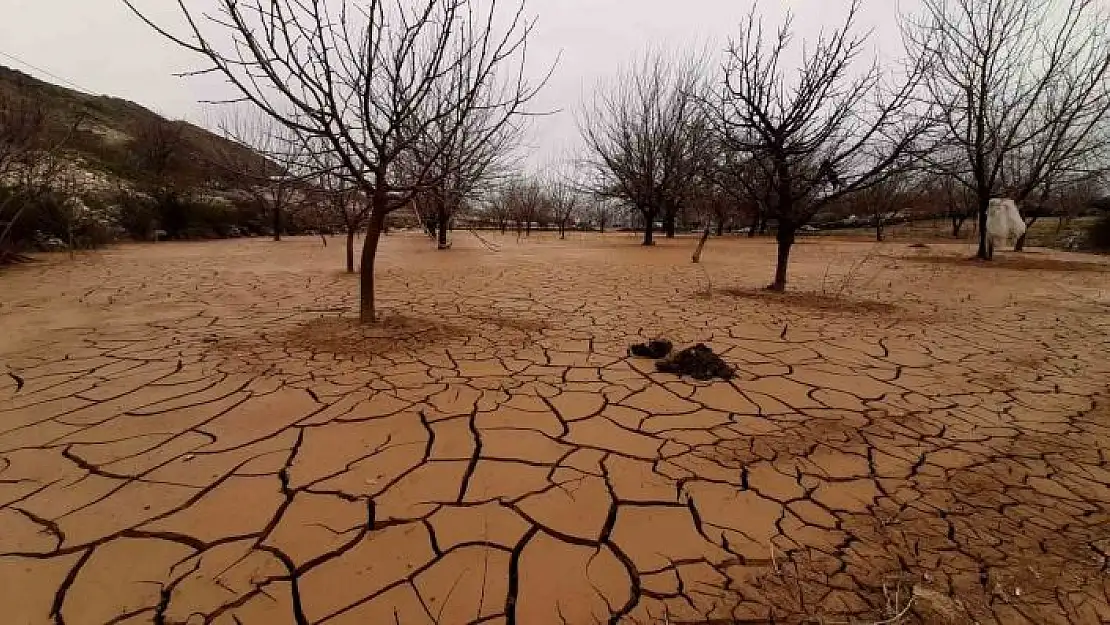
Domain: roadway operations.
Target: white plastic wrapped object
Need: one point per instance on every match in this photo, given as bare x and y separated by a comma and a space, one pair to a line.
1004, 222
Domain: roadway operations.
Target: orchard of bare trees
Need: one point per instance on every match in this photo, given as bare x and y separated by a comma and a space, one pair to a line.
390, 91
1021, 93
366, 108
990, 98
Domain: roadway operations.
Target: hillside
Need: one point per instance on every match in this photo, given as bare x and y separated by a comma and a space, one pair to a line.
121, 171
118, 139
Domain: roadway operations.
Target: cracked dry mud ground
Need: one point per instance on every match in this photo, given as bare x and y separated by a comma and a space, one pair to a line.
203, 435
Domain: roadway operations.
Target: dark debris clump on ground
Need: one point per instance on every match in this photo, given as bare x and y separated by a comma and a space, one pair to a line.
698, 362
658, 348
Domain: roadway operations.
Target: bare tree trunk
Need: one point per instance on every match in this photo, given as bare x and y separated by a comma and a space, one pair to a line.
528, 229
601, 226
1020, 245
785, 237
441, 226
879, 230
957, 224
277, 222
985, 253
562, 230
720, 227
366, 311
669, 224
701, 245
649, 228
350, 249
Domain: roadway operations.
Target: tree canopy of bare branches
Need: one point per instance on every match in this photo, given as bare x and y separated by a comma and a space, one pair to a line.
465, 154
273, 169
526, 203
366, 80
1022, 89
343, 202
736, 191
601, 213
499, 207
645, 137
30, 161
832, 130
891, 199
565, 203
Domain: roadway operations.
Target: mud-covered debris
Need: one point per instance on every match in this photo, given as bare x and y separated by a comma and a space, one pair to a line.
698, 362
659, 348
937, 607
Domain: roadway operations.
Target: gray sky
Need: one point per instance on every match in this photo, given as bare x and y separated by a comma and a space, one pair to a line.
101, 47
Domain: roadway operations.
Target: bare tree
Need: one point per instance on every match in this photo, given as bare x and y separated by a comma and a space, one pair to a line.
364, 80
889, 199
466, 153
713, 207
736, 178
565, 203
22, 136
342, 200
831, 132
526, 202
1018, 83
30, 161
601, 213
500, 207
959, 201
270, 164
1064, 199
1039, 195
644, 134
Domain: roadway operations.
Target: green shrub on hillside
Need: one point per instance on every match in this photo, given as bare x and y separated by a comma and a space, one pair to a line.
48, 215
181, 215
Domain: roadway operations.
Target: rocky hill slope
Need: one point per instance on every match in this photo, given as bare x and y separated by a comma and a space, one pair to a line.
116, 138
135, 171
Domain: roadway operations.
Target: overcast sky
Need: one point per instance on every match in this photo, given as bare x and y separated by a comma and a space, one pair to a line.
101, 47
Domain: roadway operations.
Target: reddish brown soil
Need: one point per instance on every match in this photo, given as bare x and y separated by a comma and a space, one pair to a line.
195, 433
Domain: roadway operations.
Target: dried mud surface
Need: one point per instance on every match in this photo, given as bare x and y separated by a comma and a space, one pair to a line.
199, 433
